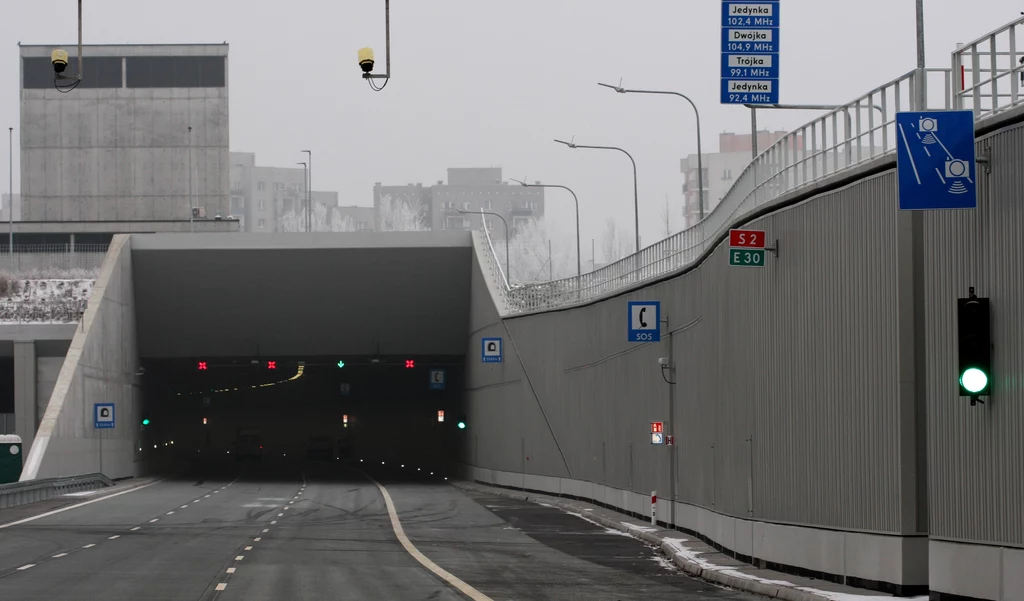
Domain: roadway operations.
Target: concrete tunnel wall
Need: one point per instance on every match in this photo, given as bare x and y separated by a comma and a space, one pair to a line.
800, 441
100, 367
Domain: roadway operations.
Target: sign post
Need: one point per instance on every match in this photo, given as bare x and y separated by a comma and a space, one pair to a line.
746, 248
644, 321
750, 52
936, 160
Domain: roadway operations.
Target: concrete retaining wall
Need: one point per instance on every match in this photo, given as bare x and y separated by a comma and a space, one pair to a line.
100, 367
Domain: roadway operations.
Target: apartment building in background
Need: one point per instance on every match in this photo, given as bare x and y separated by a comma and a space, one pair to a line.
271, 199
720, 170
471, 190
118, 148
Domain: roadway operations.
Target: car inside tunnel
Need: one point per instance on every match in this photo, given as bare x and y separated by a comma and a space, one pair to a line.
272, 413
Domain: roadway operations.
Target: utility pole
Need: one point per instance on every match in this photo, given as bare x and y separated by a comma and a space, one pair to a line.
10, 214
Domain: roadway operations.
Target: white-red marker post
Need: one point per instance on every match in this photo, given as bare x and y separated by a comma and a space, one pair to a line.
654, 508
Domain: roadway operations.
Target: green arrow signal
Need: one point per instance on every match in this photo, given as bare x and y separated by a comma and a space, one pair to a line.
341, 364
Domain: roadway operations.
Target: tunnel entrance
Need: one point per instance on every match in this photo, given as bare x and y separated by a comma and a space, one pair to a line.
289, 410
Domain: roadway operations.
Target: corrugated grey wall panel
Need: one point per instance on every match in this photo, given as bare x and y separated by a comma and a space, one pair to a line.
786, 408
976, 454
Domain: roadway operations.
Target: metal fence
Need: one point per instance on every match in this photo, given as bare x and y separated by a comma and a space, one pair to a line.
988, 72
48, 311
839, 140
42, 261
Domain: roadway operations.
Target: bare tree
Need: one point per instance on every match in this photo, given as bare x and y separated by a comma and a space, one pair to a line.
397, 215
609, 243
666, 219
323, 220
536, 252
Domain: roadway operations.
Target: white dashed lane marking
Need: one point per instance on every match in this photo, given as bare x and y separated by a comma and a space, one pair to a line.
170, 513
183, 507
27, 566
136, 528
59, 555
154, 520
272, 522
113, 537
266, 530
222, 586
239, 557
248, 548
258, 539
231, 570
89, 546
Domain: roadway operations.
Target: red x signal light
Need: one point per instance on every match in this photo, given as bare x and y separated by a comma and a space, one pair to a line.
409, 364
202, 366
271, 364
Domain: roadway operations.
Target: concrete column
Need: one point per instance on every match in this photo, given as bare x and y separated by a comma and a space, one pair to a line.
25, 419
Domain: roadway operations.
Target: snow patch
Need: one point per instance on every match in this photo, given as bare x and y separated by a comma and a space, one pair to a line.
43, 301
681, 550
664, 562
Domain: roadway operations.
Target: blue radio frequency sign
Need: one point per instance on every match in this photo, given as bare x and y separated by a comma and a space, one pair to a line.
935, 160
750, 52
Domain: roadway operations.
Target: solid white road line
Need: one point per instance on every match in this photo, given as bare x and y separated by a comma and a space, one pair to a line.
443, 574
75, 506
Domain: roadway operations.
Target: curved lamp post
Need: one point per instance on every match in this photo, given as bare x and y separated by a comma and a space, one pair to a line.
636, 202
579, 270
508, 268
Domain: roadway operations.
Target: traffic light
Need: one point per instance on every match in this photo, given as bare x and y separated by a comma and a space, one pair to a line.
440, 416
462, 422
974, 346
145, 422
271, 364
409, 364
341, 364
204, 421
202, 366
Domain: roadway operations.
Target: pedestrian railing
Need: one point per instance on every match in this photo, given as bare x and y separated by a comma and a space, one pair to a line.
988, 72
52, 261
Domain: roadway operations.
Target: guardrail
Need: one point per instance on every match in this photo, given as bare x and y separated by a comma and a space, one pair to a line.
22, 493
989, 70
43, 261
837, 141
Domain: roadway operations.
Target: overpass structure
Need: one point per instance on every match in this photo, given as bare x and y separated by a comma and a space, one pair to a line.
813, 403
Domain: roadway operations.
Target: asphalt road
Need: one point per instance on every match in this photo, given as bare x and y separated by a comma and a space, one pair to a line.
322, 533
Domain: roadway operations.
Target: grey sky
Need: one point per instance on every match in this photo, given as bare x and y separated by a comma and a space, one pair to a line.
479, 83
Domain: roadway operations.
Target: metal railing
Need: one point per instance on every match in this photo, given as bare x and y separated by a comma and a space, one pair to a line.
31, 491
52, 261
988, 71
837, 141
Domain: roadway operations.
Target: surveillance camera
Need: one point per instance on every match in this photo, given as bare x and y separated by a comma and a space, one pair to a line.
366, 59
59, 58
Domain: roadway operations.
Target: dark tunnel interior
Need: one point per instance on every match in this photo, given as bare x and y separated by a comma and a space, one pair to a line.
278, 413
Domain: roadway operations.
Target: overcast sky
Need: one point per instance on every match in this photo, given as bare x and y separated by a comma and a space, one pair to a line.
485, 83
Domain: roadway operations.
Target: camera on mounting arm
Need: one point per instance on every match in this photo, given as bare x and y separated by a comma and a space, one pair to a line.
366, 59
59, 58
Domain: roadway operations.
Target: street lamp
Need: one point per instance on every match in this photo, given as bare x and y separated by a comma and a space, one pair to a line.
309, 192
700, 155
508, 268
305, 172
636, 202
579, 270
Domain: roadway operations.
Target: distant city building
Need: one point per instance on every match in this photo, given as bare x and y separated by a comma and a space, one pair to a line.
471, 190
272, 199
720, 171
117, 148
5, 209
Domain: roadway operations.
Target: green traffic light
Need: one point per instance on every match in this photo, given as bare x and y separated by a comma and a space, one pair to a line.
974, 380
145, 422
462, 425
341, 364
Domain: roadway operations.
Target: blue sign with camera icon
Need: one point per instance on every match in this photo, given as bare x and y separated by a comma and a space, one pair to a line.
936, 161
